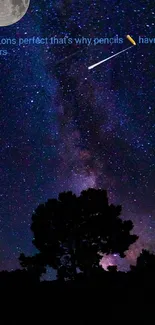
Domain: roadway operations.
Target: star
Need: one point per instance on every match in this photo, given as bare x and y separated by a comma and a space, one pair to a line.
64, 128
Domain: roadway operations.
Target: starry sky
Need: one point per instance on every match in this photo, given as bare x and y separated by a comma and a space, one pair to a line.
64, 127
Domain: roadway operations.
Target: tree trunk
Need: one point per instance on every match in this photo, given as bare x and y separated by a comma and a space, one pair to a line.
73, 261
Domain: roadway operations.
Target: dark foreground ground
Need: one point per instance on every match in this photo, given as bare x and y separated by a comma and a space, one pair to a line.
98, 299
106, 290
77, 306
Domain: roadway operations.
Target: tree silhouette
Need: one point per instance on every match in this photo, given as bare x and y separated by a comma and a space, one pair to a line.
71, 232
112, 268
33, 264
145, 262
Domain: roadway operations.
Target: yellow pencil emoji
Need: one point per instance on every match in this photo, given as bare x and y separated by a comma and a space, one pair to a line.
131, 39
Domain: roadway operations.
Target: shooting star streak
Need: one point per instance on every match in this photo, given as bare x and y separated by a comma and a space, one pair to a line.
110, 57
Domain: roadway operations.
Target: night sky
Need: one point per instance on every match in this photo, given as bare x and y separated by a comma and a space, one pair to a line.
64, 127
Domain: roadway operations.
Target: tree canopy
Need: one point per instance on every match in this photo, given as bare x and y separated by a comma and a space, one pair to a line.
145, 262
71, 232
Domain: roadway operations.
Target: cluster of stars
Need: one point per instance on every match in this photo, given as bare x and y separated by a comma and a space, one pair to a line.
64, 127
